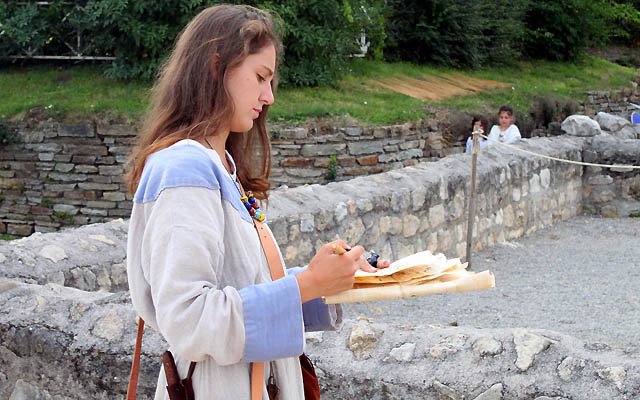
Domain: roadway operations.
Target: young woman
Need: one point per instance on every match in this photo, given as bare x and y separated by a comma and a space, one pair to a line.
197, 271
506, 131
478, 122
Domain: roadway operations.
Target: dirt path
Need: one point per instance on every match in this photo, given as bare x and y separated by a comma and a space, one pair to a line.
434, 88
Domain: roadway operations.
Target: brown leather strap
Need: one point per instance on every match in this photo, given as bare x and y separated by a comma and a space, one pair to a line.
270, 251
135, 364
277, 272
192, 367
257, 380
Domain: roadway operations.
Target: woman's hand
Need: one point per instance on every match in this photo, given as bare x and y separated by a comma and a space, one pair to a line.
330, 273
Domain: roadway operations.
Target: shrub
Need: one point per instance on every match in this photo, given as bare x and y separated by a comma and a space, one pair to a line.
560, 29
6, 133
332, 169
320, 35
63, 217
453, 32
46, 202
547, 109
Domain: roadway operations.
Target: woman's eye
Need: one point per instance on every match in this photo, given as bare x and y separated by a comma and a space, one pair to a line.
261, 78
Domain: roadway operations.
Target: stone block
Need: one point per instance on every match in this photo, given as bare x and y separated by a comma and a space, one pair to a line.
353, 131
581, 125
86, 150
365, 147
83, 159
98, 186
297, 162
113, 196
120, 150
110, 170
115, 130
346, 161
86, 169
101, 204
19, 229
94, 212
312, 150
294, 133
76, 130
368, 160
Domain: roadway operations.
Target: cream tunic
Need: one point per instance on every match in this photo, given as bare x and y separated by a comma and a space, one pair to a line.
198, 275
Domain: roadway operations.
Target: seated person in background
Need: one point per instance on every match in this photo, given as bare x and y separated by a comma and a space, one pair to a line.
506, 132
478, 122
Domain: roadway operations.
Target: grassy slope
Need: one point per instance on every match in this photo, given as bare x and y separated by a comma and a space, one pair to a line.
82, 91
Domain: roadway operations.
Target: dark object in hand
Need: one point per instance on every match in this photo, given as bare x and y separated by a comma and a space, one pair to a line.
373, 259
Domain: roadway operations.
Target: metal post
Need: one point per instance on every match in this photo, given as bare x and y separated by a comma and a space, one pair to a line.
472, 195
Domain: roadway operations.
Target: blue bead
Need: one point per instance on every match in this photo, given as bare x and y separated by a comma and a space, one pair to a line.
247, 206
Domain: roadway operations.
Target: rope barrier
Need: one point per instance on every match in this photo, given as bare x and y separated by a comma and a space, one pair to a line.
561, 159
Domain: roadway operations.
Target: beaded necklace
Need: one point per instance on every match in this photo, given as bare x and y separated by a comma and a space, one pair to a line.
248, 200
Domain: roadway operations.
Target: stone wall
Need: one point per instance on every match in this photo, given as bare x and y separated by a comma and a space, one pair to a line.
615, 101
54, 174
612, 192
67, 326
303, 155
424, 206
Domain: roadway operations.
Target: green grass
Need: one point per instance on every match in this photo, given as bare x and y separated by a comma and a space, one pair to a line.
559, 80
5, 236
81, 92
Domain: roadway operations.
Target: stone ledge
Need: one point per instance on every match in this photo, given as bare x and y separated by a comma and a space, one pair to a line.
58, 340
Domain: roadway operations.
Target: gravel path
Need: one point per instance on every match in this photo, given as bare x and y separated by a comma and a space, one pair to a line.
580, 277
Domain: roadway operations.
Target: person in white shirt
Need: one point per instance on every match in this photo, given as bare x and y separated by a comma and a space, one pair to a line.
506, 131
478, 122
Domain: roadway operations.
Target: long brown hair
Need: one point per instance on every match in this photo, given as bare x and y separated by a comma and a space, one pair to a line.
190, 98
483, 122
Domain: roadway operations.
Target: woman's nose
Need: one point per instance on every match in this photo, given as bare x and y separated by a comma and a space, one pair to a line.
267, 95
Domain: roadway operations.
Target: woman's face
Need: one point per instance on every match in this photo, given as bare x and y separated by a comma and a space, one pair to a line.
249, 85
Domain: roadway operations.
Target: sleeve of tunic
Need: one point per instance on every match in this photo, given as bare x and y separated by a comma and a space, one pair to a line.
319, 316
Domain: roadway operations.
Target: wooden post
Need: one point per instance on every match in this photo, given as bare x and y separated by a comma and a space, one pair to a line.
472, 195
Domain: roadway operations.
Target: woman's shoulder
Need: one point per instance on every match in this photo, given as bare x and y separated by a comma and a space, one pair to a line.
185, 163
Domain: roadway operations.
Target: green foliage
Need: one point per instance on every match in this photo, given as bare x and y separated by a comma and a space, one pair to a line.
623, 20
5, 236
332, 169
453, 32
319, 35
63, 217
46, 202
559, 29
6, 134
138, 33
